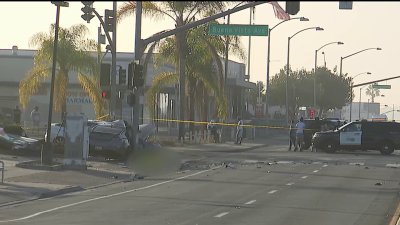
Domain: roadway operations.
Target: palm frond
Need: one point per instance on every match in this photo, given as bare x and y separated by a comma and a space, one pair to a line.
31, 83
89, 85
158, 82
60, 95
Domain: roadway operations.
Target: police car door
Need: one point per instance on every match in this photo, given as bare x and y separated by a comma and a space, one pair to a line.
351, 134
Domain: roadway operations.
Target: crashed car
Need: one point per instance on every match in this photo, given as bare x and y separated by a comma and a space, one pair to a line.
16, 142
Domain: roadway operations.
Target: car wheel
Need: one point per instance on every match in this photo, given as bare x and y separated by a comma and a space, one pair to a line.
330, 147
386, 149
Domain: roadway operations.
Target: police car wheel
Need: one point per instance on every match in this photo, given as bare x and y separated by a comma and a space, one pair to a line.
387, 149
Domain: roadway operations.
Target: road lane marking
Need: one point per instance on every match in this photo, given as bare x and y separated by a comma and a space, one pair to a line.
304, 177
221, 214
273, 191
325, 165
284, 162
250, 202
356, 164
315, 171
105, 196
289, 184
393, 165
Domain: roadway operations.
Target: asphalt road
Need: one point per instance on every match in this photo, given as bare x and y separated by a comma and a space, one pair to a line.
262, 186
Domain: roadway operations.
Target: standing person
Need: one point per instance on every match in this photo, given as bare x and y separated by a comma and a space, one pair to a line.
299, 135
292, 135
35, 116
17, 115
239, 131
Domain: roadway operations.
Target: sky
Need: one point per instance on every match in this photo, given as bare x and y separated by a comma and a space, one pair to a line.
367, 25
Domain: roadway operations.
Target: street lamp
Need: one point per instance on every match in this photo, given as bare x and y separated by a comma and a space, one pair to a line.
341, 63
269, 50
287, 66
315, 67
47, 155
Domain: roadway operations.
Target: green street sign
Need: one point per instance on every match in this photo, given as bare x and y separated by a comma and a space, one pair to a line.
378, 86
238, 29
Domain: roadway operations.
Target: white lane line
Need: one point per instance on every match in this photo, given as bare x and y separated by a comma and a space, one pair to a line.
393, 165
221, 214
315, 171
273, 191
325, 165
106, 196
356, 164
250, 202
304, 177
290, 184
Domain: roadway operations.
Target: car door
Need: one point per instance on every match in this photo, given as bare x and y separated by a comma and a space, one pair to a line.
351, 135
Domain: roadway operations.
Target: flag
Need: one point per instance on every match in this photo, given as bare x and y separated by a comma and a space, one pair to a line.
279, 12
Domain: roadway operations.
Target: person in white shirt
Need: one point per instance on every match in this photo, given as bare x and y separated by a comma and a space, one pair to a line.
299, 135
239, 132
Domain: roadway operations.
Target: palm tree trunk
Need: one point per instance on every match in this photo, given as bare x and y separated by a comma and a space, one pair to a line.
181, 45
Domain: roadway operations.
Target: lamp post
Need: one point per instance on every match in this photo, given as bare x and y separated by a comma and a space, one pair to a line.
315, 68
287, 66
269, 51
47, 154
341, 66
323, 53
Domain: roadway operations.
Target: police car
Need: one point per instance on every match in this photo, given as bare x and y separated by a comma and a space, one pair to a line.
360, 135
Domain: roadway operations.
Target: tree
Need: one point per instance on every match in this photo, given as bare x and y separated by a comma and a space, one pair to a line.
73, 55
254, 94
333, 90
373, 92
203, 70
181, 13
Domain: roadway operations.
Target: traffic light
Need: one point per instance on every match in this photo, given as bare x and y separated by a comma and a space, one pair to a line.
88, 11
130, 99
122, 76
105, 71
131, 68
138, 76
292, 7
108, 20
105, 94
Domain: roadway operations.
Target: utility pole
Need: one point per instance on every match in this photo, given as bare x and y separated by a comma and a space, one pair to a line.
113, 89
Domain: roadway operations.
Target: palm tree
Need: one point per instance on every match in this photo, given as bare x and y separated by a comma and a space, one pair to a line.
73, 55
181, 13
373, 92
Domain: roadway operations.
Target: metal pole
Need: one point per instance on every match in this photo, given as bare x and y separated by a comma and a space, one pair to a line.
315, 78
138, 56
351, 101
248, 60
47, 154
341, 61
267, 83
359, 107
287, 81
393, 113
113, 89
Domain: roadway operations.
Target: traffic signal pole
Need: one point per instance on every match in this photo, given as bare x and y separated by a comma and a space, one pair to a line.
113, 88
137, 91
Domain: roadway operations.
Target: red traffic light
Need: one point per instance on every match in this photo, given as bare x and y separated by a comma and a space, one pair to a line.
105, 94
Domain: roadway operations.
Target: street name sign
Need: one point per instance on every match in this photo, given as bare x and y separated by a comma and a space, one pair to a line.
238, 29
379, 86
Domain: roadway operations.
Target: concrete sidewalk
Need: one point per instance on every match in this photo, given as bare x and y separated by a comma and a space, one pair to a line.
22, 184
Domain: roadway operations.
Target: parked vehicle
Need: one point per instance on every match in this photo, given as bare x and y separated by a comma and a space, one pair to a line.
360, 135
17, 142
110, 141
57, 132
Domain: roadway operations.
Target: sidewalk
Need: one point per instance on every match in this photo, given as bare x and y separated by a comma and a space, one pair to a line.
22, 184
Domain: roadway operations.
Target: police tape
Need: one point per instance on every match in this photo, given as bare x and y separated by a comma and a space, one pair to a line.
218, 123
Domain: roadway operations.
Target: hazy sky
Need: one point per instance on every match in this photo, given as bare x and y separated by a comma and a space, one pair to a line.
367, 25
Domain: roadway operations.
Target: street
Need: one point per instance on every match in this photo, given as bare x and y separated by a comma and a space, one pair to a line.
268, 185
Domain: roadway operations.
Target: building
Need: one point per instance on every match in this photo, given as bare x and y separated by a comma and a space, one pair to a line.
15, 63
